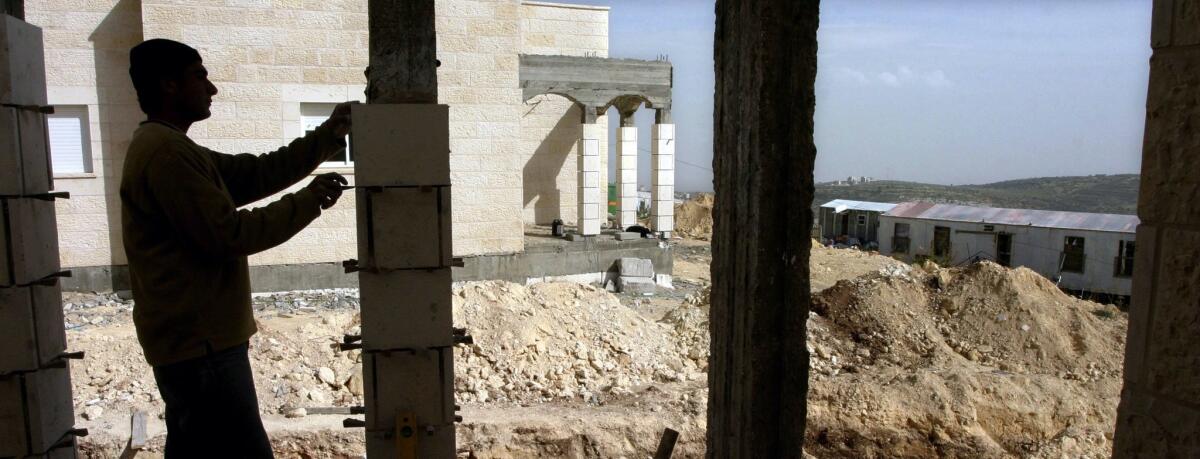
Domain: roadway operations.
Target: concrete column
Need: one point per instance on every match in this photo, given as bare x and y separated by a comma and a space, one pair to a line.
627, 176
1159, 415
662, 174
589, 176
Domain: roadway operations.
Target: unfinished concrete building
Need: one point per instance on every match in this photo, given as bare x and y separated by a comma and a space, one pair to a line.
529, 85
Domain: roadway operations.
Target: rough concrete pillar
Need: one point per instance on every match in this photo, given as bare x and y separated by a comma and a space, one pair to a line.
627, 157
662, 174
589, 176
766, 63
1159, 414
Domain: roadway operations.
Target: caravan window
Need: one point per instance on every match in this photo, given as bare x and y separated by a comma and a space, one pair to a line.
1124, 261
1073, 256
900, 238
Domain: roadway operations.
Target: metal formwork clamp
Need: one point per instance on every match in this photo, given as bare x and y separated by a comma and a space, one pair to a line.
43, 109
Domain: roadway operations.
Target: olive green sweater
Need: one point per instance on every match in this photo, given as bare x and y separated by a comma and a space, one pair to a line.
187, 241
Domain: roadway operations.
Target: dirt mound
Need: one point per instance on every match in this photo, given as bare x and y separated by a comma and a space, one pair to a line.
694, 218
982, 361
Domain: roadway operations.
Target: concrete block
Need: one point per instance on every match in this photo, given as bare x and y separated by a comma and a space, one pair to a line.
404, 228
34, 333
35, 411
24, 153
589, 164
28, 241
589, 147
661, 192
628, 236
589, 195
630, 204
406, 309
22, 63
662, 177
662, 161
590, 212
590, 227
636, 285
635, 267
629, 190
664, 208
662, 223
401, 144
419, 382
576, 237
589, 179
662, 131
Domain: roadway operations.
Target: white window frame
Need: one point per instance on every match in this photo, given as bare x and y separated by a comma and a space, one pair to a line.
312, 114
70, 117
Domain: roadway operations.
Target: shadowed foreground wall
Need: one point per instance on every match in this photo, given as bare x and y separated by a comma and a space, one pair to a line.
1159, 415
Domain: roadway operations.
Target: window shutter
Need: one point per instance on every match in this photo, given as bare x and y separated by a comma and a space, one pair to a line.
69, 142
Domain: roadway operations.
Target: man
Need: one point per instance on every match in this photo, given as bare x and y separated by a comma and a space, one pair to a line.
187, 244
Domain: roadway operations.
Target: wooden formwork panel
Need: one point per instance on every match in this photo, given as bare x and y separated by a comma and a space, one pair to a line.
22, 63
35, 411
24, 153
409, 309
33, 327
418, 384
401, 144
28, 240
404, 228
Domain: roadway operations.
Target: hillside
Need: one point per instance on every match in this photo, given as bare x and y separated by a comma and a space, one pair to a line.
1112, 194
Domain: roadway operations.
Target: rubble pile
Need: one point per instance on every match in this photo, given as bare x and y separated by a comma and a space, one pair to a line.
694, 218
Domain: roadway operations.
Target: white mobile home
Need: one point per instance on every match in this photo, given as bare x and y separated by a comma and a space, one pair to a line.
1080, 251
853, 219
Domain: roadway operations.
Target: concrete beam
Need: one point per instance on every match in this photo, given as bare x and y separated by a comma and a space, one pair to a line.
598, 82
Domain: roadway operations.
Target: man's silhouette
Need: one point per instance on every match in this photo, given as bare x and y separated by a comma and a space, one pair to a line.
187, 244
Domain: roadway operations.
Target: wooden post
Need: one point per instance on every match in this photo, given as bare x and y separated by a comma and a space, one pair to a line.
403, 52
766, 61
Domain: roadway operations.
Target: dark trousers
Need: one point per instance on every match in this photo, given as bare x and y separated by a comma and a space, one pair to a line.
212, 409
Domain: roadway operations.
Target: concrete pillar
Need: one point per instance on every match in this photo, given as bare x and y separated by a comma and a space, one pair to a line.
765, 53
627, 175
591, 212
36, 411
662, 173
1159, 415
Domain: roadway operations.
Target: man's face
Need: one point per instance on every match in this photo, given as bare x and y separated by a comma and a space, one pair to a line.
192, 93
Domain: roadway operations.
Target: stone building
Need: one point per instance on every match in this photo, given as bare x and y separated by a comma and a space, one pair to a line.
281, 65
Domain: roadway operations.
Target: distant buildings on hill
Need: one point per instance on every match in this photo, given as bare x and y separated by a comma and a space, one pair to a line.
850, 181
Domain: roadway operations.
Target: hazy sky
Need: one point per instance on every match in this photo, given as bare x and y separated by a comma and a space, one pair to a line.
939, 91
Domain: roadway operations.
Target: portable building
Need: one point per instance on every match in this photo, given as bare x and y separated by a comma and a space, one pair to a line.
1079, 251
853, 219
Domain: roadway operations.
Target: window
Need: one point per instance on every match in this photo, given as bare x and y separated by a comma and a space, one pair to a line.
1073, 257
941, 241
311, 116
70, 144
862, 219
900, 238
989, 228
1124, 261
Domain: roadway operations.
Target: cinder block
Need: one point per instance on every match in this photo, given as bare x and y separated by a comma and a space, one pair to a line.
635, 267
404, 228
24, 154
28, 241
662, 192
636, 285
589, 179
406, 309
627, 236
22, 63
35, 411
589, 195
662, 177
590, 227
589, 163
662, 161
34, 333
420, 383
665, 208
662, 223
629, 190
628, 204
401, 144
662, 131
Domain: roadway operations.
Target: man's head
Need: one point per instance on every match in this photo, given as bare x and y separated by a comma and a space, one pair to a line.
171, 80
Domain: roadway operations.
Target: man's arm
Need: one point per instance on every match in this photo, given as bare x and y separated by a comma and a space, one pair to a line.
250, 178
201, 213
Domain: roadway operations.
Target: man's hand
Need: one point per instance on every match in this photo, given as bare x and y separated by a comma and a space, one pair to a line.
327, 188
339, 121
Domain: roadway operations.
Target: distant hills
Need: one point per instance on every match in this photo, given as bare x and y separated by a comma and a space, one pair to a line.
1110, 194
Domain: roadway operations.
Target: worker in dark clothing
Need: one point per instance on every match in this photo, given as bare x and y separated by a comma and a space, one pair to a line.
187, 243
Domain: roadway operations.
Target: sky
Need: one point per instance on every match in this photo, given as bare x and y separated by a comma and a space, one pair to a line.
936, 91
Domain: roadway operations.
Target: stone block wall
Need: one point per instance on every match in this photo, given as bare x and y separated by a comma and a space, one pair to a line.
1159, 415
267, 57
550, 124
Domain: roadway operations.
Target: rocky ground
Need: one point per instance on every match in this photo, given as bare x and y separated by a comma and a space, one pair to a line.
907, 361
